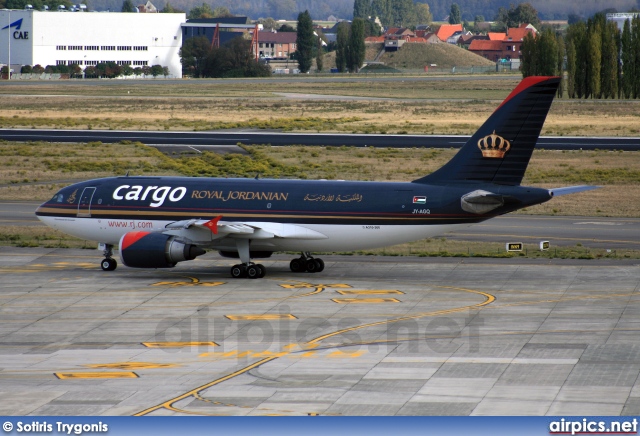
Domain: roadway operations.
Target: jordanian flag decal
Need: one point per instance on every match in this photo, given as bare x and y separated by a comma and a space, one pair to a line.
419, 200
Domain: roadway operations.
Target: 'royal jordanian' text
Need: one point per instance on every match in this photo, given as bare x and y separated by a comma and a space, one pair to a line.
240, 195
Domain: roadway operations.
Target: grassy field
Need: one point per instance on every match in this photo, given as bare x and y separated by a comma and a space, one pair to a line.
414, 107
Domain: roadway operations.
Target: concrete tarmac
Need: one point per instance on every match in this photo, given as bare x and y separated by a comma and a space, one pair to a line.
367, 336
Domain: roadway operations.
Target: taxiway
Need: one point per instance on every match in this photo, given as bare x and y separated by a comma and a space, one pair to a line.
367, 336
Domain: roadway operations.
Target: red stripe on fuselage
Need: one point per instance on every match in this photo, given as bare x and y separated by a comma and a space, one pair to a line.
131, 238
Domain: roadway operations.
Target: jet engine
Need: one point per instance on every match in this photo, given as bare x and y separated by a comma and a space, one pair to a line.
155, 250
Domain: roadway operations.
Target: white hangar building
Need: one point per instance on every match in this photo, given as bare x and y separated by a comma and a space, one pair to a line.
30, 37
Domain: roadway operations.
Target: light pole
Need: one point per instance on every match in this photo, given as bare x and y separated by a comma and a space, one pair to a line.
9, 39
9, 54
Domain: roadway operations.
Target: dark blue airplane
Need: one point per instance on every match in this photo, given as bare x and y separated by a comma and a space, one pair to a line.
160, 221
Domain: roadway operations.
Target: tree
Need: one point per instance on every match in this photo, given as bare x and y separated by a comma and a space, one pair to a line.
268, 23
571, 69
193, 53
594, 55
282, 9
371, 28
166, 72
156, 70
90, 71
75, 70
26, 69
168, 9
319, 55
286, 28
577, 60
560, 59
127, 70
423, 13
234, 59
403, 13
203, 11
514, 16
356, 51
529, 56
455, 16
610, 51
342, 46
305, 41
37, 69
547, 62
127, 6
627, 58
361, 9
635, 49
221, 11
382, 10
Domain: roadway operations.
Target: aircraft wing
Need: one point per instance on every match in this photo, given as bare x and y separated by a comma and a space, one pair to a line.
571, 190
198, 229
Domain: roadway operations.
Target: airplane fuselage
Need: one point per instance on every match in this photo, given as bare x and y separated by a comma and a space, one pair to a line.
351, 215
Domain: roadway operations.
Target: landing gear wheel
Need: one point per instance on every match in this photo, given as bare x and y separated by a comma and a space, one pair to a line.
253, 271
108, 264
320, 263
263, 270
312, 266
298, 265
238, 271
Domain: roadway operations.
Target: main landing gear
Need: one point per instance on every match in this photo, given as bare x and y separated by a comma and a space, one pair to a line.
252, 271
108, 263
306, 263
247, 268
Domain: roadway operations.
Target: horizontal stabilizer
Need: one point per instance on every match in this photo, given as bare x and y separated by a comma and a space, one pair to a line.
571, 190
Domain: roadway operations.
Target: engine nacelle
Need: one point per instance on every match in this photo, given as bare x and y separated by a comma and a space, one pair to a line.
155, 250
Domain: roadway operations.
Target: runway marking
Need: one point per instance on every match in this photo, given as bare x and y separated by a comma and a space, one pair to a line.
270, 356
365, 300
371, 292
309, 285
132, 365
268, 316
194, 282
94, 375
178, 344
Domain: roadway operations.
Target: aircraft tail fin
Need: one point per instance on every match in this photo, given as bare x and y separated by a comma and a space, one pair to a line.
500, 150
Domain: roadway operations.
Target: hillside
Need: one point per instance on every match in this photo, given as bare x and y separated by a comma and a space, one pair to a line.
416, 56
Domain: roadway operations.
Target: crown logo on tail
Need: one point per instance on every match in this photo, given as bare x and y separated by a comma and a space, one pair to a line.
493, 146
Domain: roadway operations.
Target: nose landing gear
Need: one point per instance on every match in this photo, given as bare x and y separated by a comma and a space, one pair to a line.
108, 263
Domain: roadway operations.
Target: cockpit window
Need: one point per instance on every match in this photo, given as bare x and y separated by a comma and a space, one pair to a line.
58, 198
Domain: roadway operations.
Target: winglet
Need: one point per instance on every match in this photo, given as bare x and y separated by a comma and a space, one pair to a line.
213, 224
